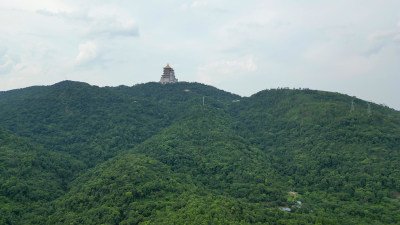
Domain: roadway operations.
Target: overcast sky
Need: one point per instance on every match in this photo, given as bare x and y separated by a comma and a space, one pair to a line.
349, 46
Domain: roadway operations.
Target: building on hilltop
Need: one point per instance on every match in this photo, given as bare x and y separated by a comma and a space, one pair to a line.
168, 75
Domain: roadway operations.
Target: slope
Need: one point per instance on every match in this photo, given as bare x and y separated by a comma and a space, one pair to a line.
134, 189
194, 171
343, 162
30, 176
95, 124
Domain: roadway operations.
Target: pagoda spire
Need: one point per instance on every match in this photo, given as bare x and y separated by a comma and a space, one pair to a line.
168, 76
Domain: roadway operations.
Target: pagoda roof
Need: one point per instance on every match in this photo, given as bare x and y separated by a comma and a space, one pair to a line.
167, 66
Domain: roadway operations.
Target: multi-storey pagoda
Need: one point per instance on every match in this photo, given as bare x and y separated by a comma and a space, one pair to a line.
168, 75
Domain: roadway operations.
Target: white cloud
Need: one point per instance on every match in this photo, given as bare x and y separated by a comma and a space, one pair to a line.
198, 4
382, 35
333, 61
382, 39
88, 52
217, 72
397, 38
194, 5
98, 22
26, 74
111, 22
69, 15
28, 5
6, 62
113, 27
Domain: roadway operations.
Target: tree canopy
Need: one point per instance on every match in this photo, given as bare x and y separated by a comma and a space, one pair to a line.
72, 153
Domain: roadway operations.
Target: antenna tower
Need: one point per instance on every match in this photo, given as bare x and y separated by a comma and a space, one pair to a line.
369, 109
352, 106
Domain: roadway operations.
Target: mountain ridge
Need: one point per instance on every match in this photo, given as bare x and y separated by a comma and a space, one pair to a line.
72, 82
232, 160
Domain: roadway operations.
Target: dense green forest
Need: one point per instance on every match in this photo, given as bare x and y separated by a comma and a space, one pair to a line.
72, 153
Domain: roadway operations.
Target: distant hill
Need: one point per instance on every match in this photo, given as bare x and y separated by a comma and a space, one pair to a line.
72, 153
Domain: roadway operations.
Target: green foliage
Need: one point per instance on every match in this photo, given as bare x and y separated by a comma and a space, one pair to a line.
153, 154
30, 176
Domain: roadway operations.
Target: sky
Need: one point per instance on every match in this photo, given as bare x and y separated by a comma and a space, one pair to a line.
346, 46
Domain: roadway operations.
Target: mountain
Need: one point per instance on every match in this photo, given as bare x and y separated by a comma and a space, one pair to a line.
93, 123
72, 153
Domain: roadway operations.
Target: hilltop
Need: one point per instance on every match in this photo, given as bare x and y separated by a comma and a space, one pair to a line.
154, 154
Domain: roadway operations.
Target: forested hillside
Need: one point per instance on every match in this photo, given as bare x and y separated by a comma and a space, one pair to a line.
72, 153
